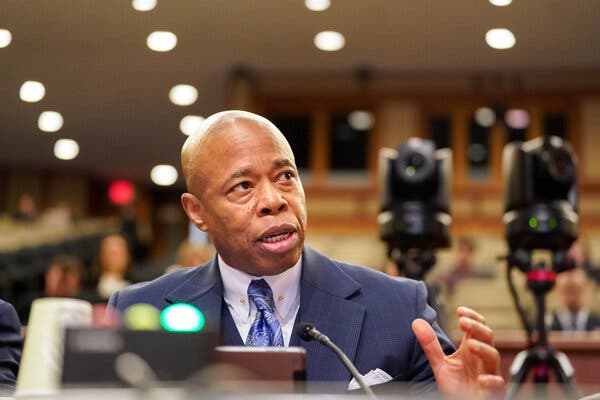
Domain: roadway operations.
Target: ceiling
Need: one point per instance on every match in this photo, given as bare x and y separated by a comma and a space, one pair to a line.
113, 91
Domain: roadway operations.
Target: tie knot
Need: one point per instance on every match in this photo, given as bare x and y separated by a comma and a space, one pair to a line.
261, 294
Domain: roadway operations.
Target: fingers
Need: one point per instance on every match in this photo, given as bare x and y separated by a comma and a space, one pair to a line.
470, 313
494, 385
488, 355
429, 342
477, 330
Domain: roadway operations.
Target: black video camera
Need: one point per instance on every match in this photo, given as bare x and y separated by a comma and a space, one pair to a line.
540, 180
416, 190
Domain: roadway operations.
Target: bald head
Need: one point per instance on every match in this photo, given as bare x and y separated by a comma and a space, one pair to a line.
197, 147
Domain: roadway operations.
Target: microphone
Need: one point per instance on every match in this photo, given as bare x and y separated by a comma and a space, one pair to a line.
307, 331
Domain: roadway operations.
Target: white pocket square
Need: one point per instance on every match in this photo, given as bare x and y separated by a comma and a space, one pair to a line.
374, 377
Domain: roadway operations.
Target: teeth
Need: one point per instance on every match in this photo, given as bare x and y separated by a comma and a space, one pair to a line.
276, 238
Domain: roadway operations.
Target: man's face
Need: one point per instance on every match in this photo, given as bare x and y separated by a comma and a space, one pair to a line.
573, 296
114, 255
251, 201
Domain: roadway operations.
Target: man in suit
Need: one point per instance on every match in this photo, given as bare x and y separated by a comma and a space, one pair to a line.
244, 191
11, 344
574, 315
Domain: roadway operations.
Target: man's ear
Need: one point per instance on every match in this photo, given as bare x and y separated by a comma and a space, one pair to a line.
193, 209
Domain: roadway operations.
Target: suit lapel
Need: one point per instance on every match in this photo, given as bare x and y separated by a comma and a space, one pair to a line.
203, 290
324, 302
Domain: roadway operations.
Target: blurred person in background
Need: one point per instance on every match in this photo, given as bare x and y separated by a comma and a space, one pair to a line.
27, 210
62, 279
113, 263
11, 345
463, 266
574, 314
191, 254
580, 256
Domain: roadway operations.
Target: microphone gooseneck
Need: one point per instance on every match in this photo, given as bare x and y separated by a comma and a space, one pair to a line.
307, 331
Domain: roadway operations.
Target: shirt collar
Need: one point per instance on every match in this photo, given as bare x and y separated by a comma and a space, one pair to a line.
285, 287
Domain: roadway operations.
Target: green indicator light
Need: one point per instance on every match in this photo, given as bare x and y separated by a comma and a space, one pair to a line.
410, 170
142, 317
182, 317
553, 222
533, 222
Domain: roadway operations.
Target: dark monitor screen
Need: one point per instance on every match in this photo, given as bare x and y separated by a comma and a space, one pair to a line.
90, 354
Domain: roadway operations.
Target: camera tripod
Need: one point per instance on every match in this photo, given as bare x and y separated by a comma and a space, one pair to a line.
539, 356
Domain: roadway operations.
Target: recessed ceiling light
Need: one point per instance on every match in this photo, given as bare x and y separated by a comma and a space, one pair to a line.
317, 5
163, 175
517, 118
143, 5
190, 124
485, 116
50, 121
161, 41
500, 3
66, 149
32, 91
329, 41
183, 95
5, 38
361, 120
500, 38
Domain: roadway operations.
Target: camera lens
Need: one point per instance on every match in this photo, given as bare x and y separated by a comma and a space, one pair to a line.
414, 163
561, 166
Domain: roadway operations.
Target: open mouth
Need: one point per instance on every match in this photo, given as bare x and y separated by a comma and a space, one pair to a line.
276, 237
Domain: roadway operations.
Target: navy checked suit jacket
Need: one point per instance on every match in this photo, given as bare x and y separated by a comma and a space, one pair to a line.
366, 313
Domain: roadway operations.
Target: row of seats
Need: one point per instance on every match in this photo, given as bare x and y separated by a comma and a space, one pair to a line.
22, 270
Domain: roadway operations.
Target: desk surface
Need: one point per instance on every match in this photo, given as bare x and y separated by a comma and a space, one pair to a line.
563, 341
582, 349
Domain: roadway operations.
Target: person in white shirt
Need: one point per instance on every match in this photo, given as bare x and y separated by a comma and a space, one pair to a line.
574, 315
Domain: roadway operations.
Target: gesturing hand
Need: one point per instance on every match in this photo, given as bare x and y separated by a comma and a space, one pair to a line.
473, 370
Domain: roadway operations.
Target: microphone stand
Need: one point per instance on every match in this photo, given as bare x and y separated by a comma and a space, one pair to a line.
308, 332
350, 367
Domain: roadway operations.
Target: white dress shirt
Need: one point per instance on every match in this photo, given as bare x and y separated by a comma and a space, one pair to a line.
286, 296
573, 322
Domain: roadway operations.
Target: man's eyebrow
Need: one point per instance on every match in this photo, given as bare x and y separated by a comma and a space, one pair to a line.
240, 173
283, 162
280, 163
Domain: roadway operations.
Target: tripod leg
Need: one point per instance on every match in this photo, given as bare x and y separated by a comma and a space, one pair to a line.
564, 373
518, 372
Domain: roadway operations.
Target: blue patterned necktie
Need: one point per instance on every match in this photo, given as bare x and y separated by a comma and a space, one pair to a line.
265, 330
